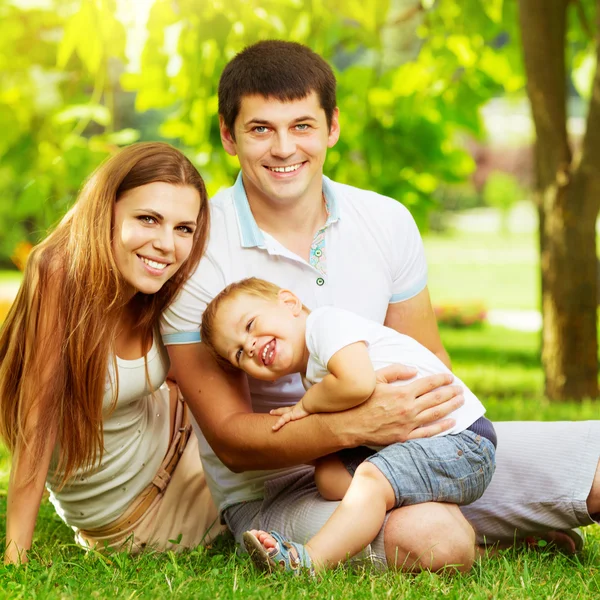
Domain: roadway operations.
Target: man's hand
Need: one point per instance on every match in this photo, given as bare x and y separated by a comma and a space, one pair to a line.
396, 413
289, 413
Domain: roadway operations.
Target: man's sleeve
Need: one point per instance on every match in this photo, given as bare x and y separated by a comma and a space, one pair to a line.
180, 322
408, 263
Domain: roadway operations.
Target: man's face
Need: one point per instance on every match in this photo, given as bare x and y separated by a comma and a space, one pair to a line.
281, 147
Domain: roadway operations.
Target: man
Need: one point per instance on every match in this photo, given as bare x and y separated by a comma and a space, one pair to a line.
333, 244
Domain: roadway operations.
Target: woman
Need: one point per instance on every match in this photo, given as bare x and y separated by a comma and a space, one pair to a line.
84, 407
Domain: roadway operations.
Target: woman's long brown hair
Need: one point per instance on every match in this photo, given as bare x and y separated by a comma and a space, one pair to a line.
67, 311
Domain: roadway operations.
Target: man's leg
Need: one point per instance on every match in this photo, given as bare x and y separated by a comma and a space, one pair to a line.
593, 500
546, 479
423, 536
429, 536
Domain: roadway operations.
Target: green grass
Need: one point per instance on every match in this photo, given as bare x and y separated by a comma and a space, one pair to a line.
501, 271
501, 366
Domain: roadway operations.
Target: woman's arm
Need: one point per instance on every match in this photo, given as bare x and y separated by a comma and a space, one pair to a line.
36, 439
24, 498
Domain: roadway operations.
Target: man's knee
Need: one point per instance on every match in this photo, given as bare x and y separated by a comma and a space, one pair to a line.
430, 536
593, 501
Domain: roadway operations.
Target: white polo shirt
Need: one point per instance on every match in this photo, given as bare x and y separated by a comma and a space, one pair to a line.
368, 254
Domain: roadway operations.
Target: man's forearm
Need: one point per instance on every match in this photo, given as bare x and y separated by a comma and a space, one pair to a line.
250, 443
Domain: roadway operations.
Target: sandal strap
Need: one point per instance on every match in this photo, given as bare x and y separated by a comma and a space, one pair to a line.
294, 562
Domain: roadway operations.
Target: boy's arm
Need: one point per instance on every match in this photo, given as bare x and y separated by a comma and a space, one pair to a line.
351, 380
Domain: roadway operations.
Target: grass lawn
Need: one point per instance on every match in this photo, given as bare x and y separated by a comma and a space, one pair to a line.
502, 366
502, 271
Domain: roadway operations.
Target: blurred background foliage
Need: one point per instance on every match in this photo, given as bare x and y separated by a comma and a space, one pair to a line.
79, 78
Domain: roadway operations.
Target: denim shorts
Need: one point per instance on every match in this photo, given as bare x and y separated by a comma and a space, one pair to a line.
452, 468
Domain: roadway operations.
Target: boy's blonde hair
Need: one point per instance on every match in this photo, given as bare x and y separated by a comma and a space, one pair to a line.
251, 286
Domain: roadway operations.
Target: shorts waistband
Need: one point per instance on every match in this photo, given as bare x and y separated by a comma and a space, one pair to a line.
484, 428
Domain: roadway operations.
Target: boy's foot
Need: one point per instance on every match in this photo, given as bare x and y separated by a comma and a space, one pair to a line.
272, 552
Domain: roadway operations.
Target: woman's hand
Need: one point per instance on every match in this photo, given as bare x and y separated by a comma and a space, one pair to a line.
396, 413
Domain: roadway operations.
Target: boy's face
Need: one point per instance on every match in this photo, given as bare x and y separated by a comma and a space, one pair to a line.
281, 147
264, 338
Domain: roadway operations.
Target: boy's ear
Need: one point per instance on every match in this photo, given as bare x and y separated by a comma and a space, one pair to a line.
291, 301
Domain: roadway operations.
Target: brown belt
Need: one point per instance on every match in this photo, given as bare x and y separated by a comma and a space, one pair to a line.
141, 504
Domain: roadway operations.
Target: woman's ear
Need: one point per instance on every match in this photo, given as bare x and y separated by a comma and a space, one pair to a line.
290, 300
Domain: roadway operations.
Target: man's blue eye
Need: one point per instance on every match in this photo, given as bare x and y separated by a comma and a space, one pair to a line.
260, 129
302, 126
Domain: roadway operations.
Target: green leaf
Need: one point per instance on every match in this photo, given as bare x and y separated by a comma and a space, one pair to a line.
92, 112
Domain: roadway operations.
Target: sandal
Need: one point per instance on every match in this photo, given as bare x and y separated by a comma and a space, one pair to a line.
286, 556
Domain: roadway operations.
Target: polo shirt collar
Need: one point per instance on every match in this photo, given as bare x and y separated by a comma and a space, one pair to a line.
250, 234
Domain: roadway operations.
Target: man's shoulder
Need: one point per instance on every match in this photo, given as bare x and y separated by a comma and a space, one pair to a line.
367, 201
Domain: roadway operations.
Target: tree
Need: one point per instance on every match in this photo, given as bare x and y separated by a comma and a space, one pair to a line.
568, 199
550, 45
57, 65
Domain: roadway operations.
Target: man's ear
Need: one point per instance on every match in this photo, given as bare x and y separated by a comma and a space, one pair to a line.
227, 138
290, 300
334, 130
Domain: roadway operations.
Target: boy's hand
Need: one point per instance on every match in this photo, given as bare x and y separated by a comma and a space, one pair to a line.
289, 413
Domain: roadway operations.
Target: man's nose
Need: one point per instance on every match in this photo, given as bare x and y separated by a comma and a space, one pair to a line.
284, 145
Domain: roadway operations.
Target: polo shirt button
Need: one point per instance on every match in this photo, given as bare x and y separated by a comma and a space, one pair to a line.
318, 253
320, 281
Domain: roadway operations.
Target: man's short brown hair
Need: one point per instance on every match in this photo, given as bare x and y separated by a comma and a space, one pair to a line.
276, 69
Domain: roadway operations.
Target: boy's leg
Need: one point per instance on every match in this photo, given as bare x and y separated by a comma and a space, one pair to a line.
356, 521
546, 479
332, 477
416, 537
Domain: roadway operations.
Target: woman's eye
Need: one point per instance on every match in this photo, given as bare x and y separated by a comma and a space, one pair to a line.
249, 324
147, 219
238, 355
185, 229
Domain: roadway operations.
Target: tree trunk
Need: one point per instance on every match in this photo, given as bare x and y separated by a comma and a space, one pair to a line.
567, 196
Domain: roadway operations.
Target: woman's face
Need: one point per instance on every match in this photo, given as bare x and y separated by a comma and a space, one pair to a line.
153, 233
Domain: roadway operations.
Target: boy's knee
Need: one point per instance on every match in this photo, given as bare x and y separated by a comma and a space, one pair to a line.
429, 537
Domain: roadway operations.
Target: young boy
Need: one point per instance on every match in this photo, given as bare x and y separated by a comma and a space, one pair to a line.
266, 331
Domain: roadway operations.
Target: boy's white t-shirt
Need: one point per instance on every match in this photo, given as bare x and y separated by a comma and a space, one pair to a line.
329, 329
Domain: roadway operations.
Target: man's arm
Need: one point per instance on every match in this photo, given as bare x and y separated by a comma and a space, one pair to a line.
242, 440
415, 317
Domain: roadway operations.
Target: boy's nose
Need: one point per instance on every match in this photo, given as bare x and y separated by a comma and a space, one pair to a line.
250, 347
